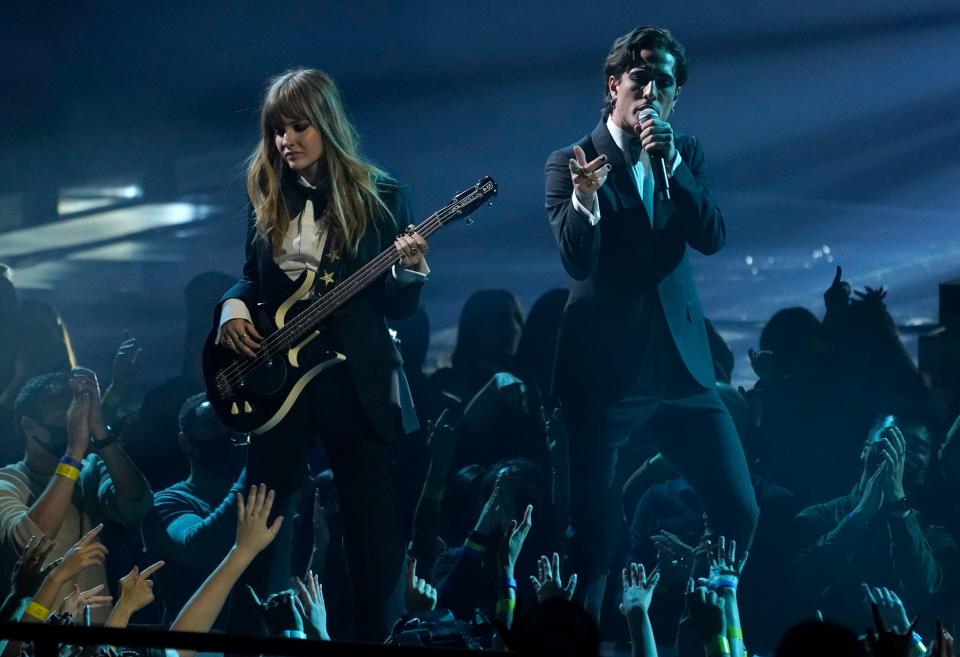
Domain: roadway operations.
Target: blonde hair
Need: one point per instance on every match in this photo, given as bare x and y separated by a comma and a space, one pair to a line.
310, 95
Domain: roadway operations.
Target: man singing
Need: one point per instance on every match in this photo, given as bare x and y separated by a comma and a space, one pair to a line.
632, 344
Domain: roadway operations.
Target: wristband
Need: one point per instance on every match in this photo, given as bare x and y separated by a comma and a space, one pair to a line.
724, 583
72, 462
37, 611
68, 471
735, 633
718, 645
507, 605
917, 649
109, 439
509, 583
474, 545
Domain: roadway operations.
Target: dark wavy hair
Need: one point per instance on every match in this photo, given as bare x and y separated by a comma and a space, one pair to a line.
625, 54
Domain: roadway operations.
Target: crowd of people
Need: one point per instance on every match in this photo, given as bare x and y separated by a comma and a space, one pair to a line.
120, 510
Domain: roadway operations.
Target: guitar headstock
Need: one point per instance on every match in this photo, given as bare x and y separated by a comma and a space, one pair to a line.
465, 203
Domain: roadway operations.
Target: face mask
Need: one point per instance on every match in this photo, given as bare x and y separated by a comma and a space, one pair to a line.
57, 441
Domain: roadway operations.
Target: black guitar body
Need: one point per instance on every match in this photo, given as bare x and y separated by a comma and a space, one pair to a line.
254, 395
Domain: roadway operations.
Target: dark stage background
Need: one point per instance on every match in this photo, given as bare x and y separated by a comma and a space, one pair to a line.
831, 130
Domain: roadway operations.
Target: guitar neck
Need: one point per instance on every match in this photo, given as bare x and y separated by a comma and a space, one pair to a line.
324, 306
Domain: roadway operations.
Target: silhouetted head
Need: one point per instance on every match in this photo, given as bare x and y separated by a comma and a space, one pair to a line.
795, 336
210, 446
820, 638
538, 344
490, 326
556, 628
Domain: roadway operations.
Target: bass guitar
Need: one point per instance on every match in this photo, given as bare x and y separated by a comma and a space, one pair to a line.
253, 395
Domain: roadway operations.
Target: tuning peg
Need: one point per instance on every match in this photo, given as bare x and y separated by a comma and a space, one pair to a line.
468, 221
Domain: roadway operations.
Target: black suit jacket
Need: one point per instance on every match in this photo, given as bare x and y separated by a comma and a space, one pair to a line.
359, 328
621, 265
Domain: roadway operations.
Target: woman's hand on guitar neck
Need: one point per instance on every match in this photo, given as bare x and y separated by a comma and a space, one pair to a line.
240, 336
411, 247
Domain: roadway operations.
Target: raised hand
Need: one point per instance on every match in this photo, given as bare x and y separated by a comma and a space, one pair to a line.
549, 584
942, 643
313, 610
638, 589
125, 367
894, 449
418, 594
725, 567
871, 499
279, 611
253, 533
837, 296
891, 607
656, 137
493, 509
587, 177
764, 364
28, 572
76, 600
241, 337
84, 553
706, 611
442, 443
136, 588
885, 642
512, 543
872, 296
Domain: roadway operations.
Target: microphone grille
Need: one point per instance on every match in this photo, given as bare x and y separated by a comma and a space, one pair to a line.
646, 113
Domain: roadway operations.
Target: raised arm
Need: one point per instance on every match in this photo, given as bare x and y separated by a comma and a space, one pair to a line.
253, 536
574, 218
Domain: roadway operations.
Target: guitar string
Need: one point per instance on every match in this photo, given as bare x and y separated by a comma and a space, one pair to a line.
349, 287
283, 338
353, 284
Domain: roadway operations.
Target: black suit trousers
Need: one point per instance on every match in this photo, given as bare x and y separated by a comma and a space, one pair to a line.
702, 444
330, 408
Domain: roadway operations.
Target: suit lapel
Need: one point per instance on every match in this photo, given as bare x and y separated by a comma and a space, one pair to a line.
623, 191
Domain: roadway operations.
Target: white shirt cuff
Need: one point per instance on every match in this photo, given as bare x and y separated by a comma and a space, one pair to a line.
232, 309
408, 276
675, 164
592, 217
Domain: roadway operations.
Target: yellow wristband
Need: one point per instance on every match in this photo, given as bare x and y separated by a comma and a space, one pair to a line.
718, 645
506, 605
735, 633
39, 612
68, 471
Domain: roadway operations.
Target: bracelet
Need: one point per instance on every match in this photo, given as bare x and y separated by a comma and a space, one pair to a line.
37, 611
507, 605
735, 633
68, 471
72, 462
725, 583
509, 583
718, 645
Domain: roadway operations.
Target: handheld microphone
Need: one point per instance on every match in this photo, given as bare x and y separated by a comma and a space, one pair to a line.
660, 179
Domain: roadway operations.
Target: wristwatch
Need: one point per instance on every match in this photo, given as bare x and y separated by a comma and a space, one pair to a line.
97, 445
